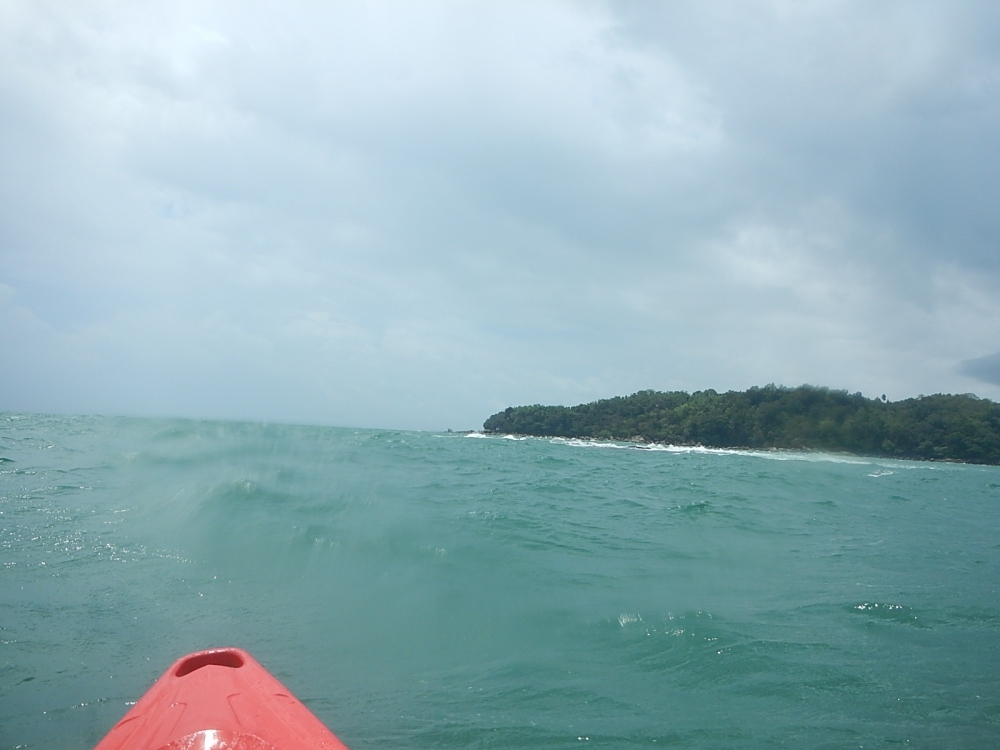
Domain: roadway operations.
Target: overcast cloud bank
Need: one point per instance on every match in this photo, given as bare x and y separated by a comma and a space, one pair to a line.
415, 215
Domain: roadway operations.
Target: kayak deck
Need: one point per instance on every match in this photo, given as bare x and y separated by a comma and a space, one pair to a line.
220, 699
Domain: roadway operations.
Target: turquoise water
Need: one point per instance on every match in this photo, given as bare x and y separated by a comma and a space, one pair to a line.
422, 590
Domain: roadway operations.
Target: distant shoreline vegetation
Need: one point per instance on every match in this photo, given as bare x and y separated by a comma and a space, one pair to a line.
940, 427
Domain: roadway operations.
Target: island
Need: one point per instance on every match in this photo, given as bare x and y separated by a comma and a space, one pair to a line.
941, 427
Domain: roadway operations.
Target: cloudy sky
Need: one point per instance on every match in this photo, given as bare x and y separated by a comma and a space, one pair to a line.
413, 215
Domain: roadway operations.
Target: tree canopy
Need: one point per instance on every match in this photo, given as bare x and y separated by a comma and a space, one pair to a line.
942, 427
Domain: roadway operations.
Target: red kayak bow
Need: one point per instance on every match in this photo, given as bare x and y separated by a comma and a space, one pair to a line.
220, 699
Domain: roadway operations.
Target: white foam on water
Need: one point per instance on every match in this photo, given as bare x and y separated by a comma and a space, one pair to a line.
585, 443
495, 436
889, 465
773, 455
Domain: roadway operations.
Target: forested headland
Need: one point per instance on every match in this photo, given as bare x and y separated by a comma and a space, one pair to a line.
940, 427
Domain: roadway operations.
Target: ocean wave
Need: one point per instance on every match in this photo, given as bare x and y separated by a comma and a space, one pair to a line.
462, 592
887, 465
889, 612
771, 455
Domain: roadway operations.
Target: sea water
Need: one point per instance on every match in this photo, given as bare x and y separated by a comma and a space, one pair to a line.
429, 590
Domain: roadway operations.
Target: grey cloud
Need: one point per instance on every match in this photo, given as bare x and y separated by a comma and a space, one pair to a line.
891, 108
985, 369
413, 218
